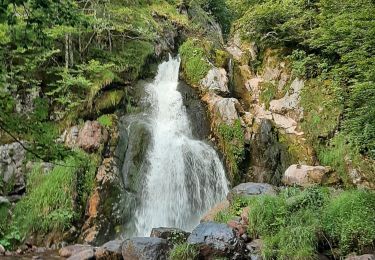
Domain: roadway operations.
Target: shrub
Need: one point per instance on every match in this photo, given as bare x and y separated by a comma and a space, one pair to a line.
184, 252
349, 220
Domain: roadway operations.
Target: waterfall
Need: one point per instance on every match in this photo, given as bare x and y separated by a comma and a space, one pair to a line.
185, 176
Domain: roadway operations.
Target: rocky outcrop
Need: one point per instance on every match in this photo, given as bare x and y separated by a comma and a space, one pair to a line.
222, 110
304, 175
71, 250
361, 257
89, 137
214, 240
215, 81
250, 189
145, 248
12, 169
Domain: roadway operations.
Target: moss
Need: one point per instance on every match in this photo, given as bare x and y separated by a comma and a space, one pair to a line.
221, 58
195, 62
109, 100
106, 120
232, 141
298, 149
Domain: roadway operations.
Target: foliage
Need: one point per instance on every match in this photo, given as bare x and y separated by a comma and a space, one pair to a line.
268, 93
194, 60
231, 138
349, 220
184, 251
106, 120
57, 198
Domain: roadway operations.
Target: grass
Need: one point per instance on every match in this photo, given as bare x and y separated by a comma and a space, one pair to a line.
297, 224
54, 200
194, 60
184, 252
106, 120
109, 100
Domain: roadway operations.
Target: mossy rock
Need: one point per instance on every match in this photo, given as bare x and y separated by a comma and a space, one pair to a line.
108, 101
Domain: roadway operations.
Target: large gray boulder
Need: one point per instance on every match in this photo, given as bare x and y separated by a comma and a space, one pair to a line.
110, 251
251, 189
214, 240
145, 248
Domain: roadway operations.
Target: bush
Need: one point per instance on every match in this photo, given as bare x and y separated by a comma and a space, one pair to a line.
349, 220
184, 252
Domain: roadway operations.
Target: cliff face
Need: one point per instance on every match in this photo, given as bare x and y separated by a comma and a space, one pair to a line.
264, 118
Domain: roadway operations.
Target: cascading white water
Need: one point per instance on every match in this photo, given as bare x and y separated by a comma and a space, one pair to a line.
185, 177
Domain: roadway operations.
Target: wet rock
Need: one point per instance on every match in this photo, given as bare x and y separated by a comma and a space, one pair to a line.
210, 215
171, 234
87, 254
216, 81
73, 250
251, 189
12, 173
145, 248
109, 251
214, 239
361, 257
304, 175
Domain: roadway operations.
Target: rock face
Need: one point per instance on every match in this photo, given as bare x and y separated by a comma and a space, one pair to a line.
224, 109
90, 137
216, 81
109, 251
251, 189
87, 254
214, 239
12, 172
145, 248
304, 175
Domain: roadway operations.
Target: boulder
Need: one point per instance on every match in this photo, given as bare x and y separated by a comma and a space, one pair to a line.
210, 215
4, 201
254, 249
172, 235
12, 174
91, 136
304, 175
109, 251
214, 240
145, 248
87, 254
223, 110
251, 189
361, 257
2, 250
73, 250
216, 81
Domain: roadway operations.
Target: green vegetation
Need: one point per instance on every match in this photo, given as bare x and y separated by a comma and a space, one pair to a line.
231, 138
184, 252
268, 93
55, 199
296, 224
195, 61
